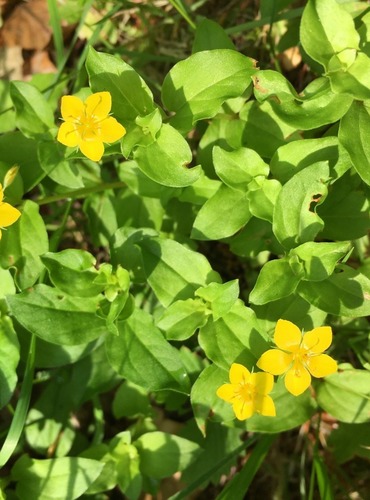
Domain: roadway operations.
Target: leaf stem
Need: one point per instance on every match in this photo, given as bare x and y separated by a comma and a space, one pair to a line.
81, 193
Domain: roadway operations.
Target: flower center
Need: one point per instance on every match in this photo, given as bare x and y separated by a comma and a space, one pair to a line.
88, 127
244, 392
300, 358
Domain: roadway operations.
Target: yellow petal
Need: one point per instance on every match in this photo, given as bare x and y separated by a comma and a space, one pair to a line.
8, 214
243, 409
71, 108
226, 392
238, 373
297, 380
68, 135
287, 335
262, 382
98, 105
111, 130
318, 339
94, 150
321, 365
265, 406
275, 361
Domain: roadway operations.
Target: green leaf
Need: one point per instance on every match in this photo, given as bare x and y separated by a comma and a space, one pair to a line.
131, 401
211, 224
54, 479
346, 209
204, 400
345, 293
57, 317
166, 160
53, 355
107, 479
319, 259
131, 96
125, 251
239, 167
141, 354
210, 36
319, 34
162, 454
349, 73
317, 105
73, 272
23, 243
292, 308
353, 134
220, 298
6, 108
295, 222
195, 88
16, 149
349, 440
7, 286
236, 337
262, 198
297, 155
345, 395
34, 115
9, 358
262, 130
182, 318
52, 160
275, 281
173, 271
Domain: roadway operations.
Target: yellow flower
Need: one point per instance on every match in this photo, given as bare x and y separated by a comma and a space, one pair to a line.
8, 214
298, 356
88, 124
248, 392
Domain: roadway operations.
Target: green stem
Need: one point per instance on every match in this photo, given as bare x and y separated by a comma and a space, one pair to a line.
55, 239
81, 193
21, 410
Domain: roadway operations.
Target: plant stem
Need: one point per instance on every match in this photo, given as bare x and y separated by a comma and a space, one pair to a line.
81, 193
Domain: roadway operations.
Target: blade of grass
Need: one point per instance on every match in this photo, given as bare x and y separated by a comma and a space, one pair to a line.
290, 14
179, 6
323, 480
205, 477
56, 27
239, 485
71, 46
21, 410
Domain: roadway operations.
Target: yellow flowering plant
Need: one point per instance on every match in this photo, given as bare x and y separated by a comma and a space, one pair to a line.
88, 125
151, 282
8, 213
298, 357
248, 392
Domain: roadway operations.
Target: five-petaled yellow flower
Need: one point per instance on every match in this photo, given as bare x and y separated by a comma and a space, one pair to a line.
298, 356
88, 124
8, 214
248, 392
